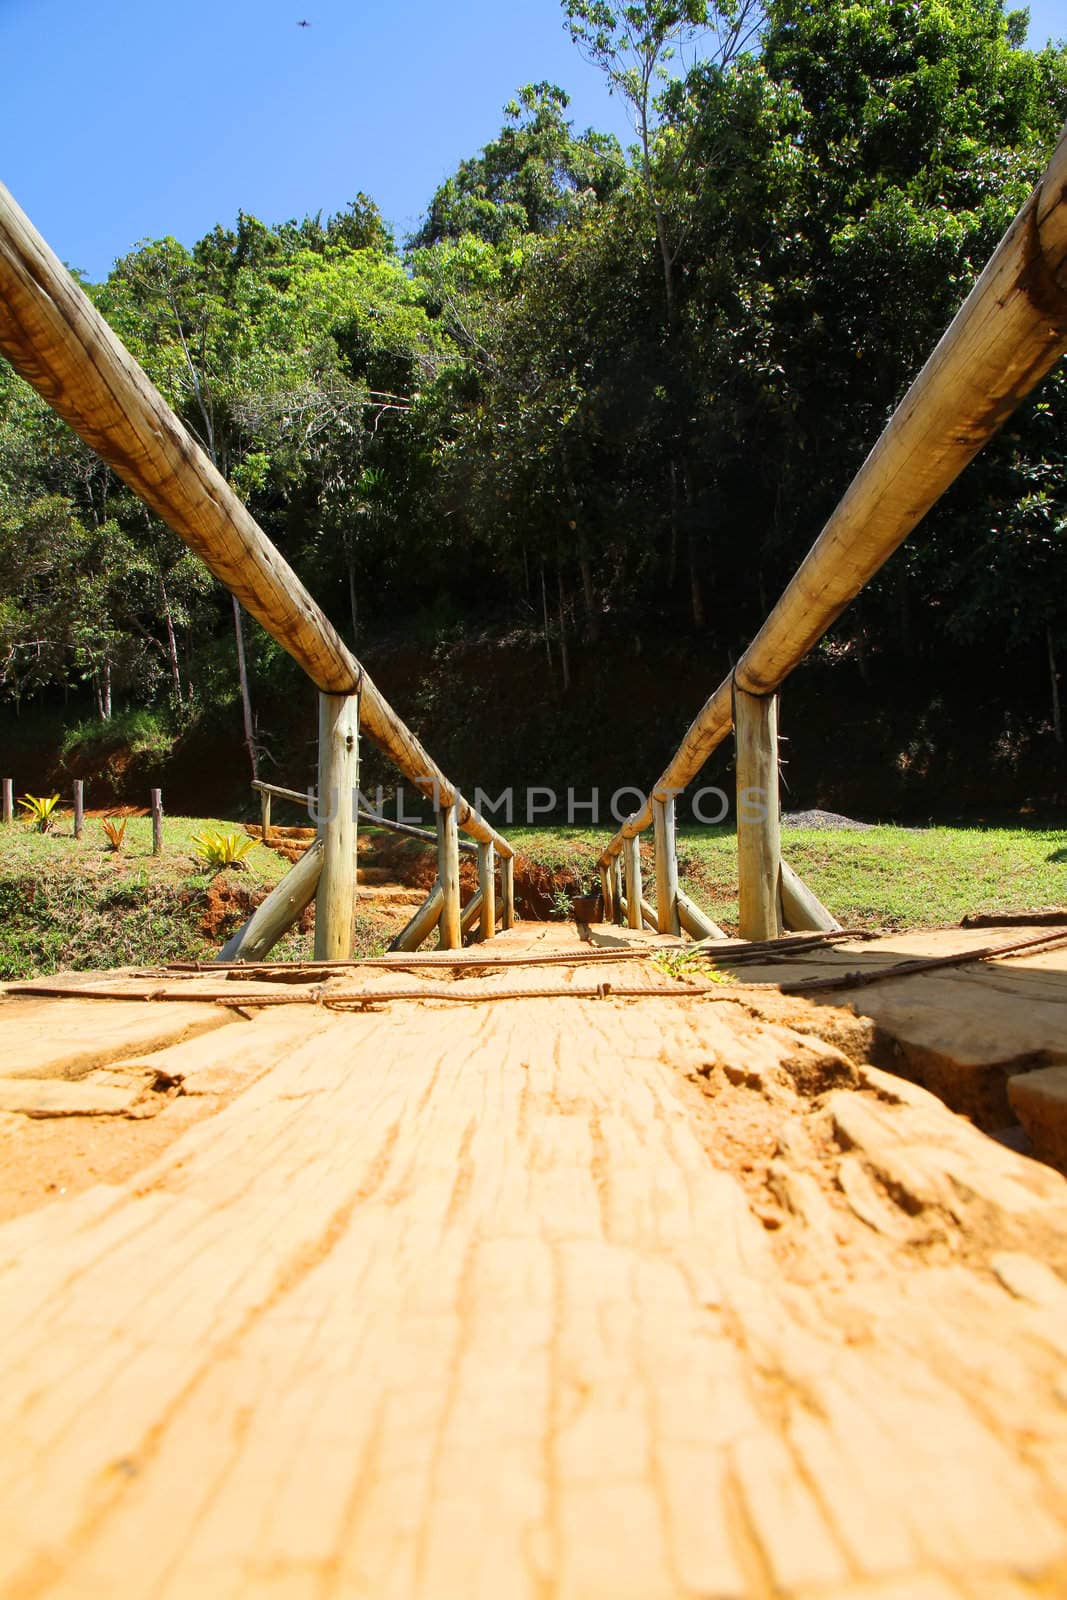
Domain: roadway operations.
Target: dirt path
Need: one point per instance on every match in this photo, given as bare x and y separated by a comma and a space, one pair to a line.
588, 1298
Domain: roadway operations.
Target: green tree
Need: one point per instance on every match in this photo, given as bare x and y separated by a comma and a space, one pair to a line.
537, 175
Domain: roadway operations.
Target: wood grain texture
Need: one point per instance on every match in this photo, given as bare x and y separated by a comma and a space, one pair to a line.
667, 919
335, 896
695, 921
631, 856
487, 888
759, 839
1009, 332
283, 907
449, 924
56, 339
156, 808
609, 1304
422, 923
801, 907
507, 892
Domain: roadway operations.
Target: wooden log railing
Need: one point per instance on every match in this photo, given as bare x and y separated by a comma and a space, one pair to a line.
481, 908
1009, 332
406, 830
56, 339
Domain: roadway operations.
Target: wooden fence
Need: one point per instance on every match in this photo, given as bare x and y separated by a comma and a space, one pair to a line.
57, 340
1010, 331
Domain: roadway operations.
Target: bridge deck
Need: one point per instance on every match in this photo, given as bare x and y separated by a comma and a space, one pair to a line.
597, 1298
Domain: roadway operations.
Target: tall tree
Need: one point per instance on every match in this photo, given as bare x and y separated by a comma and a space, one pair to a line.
537, 175
634, 46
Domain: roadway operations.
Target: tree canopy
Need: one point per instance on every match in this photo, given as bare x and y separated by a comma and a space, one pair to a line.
596, 383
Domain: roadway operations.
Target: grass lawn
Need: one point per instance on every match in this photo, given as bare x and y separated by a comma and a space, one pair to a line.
67, 903
885, 877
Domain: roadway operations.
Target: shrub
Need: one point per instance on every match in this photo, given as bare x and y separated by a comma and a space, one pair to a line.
140, 730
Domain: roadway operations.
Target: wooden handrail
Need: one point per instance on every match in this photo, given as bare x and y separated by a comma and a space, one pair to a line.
56, 339
406, 829
1009, 332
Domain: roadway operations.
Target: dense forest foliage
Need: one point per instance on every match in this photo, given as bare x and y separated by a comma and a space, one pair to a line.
602, 397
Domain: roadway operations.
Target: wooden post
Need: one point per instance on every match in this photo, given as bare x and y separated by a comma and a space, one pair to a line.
335, 902
607, 890
422, 923
79, 807
632, 860
157, 822
9, 800
487, 885
283, 907
507, 891
264, 813
666, 867
451, 937
617, 887
472, 912
802, 910
759, 844
696, 924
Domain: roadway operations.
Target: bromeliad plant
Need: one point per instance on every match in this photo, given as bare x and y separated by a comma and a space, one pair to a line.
115, 828
219, 850
39, 810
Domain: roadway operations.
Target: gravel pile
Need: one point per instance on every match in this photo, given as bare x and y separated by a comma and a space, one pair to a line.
823, 819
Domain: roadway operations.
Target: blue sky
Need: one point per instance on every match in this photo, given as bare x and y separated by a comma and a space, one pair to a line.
135, 118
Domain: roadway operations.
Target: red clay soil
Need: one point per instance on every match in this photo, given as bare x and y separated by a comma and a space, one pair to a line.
414, 865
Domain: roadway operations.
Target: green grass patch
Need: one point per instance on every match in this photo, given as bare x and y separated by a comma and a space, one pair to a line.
69, 903
74, 904
885, 877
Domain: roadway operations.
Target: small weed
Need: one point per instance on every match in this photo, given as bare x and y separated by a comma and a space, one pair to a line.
689, 964
562, 904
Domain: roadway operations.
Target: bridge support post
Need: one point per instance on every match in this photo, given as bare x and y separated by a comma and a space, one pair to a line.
264, 813
759, 840
617, 888
667, 920
450, 926
695, 922
283, 907
422, 923
507, 891
803, 911
607, 890
631, 850
487, 889
335, 899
